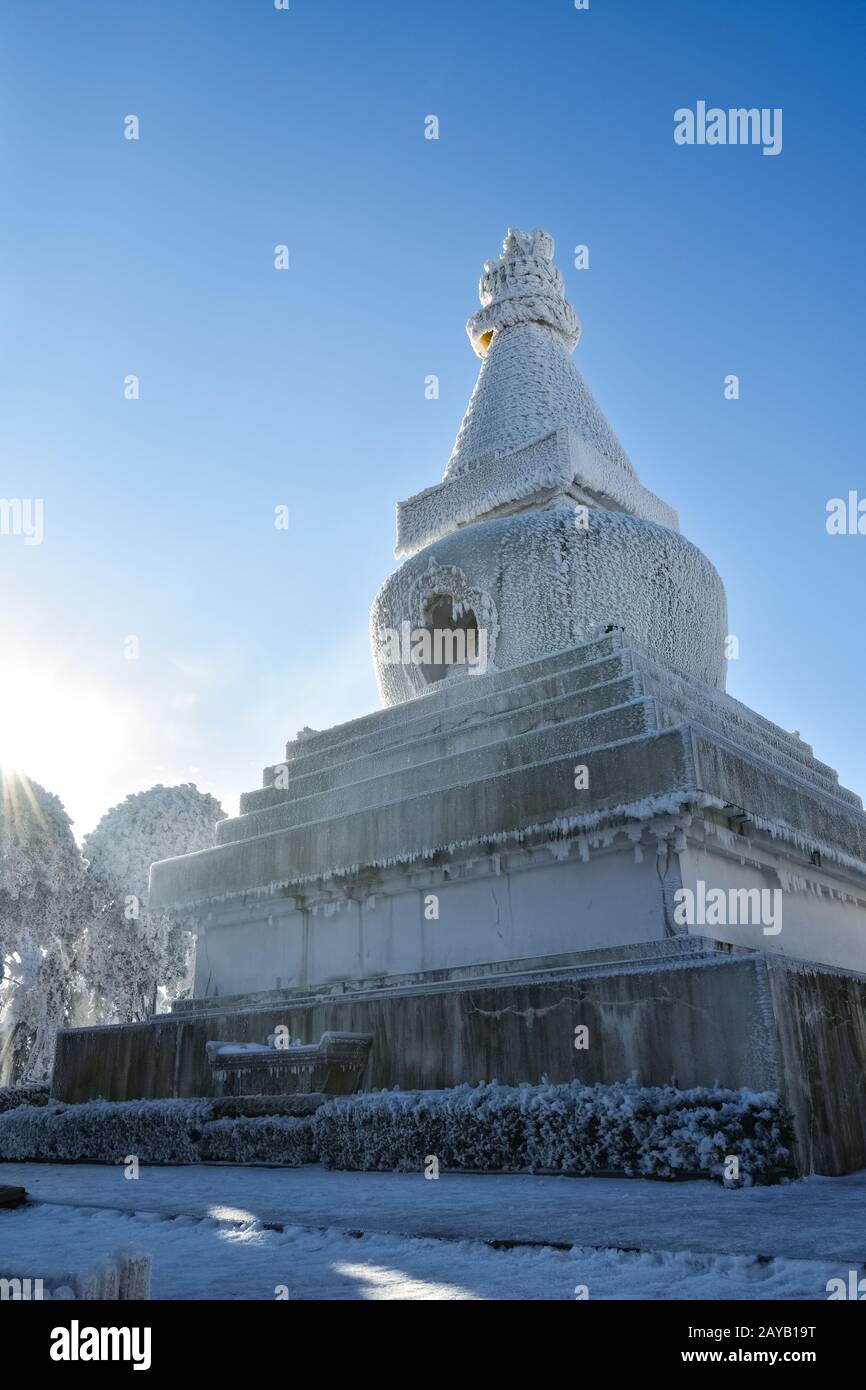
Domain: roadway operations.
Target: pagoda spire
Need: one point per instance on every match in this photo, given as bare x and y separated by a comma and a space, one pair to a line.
523, 286
528, 386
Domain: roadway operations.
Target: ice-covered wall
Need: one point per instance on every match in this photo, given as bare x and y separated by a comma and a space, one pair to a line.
543, 906
814, 919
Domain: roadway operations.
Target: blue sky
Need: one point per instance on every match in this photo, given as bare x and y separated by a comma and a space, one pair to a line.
306, 388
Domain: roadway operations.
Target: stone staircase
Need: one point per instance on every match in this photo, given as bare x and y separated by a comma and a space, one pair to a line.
595, 694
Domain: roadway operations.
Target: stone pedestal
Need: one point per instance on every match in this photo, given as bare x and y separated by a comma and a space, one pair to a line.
691, 1009
449, 832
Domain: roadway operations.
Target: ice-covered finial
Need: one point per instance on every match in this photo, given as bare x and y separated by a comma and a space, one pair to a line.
538, 243
523, 286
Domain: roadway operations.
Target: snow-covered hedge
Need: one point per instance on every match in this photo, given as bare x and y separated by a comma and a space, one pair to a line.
655, 1131
155, 1131
652, 1131
278, 1139
37, 1093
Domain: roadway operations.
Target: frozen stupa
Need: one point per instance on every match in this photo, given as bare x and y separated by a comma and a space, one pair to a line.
559, 819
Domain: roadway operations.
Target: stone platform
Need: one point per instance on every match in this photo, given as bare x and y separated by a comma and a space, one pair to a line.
691, 1009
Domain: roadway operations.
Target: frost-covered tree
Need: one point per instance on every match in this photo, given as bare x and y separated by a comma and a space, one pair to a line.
42, 908
134, 959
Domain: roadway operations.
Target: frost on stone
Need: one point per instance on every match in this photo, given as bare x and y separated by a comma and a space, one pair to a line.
526, 331
559, 462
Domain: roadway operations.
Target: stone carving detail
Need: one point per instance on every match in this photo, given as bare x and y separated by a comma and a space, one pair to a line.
417, 601
451, 582
523, 286
332, 1066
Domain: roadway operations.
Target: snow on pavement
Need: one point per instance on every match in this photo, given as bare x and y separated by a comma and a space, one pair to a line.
230, 1255
817, 1218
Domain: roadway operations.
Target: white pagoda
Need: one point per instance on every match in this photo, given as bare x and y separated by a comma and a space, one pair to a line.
582, 828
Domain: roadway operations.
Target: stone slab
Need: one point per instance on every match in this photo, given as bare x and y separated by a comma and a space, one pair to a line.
552, 463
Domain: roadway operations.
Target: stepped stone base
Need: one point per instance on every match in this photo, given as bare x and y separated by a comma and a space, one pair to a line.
475, 873
454, 831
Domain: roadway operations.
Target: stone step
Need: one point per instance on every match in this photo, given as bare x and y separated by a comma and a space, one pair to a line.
522, 708
635, 779
448, 694
677, 712
456, 768
661, 678
766, 793
461, 737
420, 722
675, 707
578, 668
682, 698
641, 772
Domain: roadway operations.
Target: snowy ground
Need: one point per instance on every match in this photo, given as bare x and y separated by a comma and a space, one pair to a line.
232, 1232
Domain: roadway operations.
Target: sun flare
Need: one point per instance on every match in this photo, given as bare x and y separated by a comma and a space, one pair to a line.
56, 728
